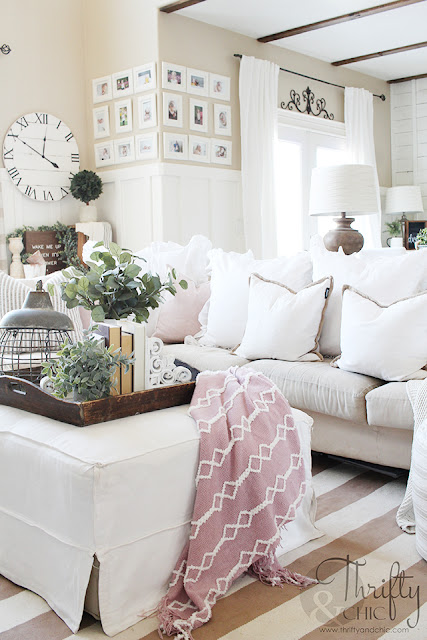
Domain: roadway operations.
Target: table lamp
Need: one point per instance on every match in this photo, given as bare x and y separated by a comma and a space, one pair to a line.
348, 188
405, 199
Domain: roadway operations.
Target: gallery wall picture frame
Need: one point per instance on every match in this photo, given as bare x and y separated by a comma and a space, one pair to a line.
123, 115
147, 111
102, 89
199, 149
172, 110
219, 87
221, 151
124, 150
144, 77
222, 120
146, 146
174, 77
199, 115
175, 146
104, 154
122, 83
101, 122
410, 232
198, 82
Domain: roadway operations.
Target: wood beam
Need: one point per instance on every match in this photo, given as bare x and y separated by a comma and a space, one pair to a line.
180, 4
355, 15
380, 54
397, 80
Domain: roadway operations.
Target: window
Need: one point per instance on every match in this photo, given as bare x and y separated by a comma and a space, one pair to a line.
304, 143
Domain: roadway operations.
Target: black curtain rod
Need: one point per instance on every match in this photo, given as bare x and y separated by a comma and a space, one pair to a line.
340, 86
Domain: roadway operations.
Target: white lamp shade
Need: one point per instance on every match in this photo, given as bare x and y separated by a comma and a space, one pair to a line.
348, 188
404, 200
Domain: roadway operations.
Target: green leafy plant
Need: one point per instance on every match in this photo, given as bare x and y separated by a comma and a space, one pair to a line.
85, 369
394, 228
86, 186
422, 236
113, 288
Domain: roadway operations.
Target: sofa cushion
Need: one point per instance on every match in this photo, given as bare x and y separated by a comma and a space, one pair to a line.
204, 358
389, 406
316, 386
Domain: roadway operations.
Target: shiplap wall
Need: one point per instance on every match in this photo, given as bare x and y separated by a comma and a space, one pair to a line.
409, 135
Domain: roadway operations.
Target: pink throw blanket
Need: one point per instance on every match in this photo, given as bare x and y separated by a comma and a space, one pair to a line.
250, 482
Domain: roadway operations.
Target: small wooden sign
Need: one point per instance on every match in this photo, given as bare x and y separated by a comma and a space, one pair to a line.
48, 245
411, 229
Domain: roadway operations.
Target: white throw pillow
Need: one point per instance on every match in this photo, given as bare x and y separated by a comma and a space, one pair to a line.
386, 342
283, 324
191, 259
384, 279
228, 304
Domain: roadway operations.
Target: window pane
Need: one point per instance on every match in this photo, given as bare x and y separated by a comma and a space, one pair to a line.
289, 197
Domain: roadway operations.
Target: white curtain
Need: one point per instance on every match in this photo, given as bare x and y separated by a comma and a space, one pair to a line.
359, 125
258, 120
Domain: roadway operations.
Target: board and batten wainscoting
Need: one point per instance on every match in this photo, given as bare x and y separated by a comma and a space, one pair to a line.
159, 201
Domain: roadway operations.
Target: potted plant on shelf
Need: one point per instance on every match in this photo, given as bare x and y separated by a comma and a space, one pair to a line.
86, 186
421, 239
395, 230
84, 370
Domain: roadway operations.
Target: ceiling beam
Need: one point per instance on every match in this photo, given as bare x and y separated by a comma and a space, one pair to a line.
397, 80
380, 54
355, 15
180, 4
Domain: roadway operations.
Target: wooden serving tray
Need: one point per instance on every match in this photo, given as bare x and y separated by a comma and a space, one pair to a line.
18, 393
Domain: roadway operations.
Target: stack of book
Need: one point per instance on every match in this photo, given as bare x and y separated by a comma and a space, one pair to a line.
129, 337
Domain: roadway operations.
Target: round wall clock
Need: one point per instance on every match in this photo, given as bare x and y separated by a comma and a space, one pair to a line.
41, 156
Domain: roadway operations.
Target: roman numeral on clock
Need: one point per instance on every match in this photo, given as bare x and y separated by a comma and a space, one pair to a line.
75, 157
47, 195
8, 154
13, 172
22, 122
64, 192
69, 136
30, 192
42, 118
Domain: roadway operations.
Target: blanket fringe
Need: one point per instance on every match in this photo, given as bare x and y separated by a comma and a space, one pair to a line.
170, 624
269, 571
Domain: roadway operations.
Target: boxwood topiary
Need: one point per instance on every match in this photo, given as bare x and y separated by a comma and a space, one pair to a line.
86, 186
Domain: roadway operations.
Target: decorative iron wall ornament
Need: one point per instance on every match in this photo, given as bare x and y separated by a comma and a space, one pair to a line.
5, 49
309, 98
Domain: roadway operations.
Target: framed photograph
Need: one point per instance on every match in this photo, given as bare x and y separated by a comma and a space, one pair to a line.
199, 115
222, 119
219, 87
199, 149
175, 146
198, 82
172, 110
124, 150
410, 232
104, 154
101, 122
122, 84
146, 146
220, 151
144, 77
147, 111
102, 89
123, 116
173, 76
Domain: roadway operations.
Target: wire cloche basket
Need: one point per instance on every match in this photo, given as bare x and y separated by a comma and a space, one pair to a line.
31, 336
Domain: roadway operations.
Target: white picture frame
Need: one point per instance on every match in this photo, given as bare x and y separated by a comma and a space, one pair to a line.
101, 122
146, 146
122, 83
219, 87
104, 154
147, 111
124, 150
123, 116
144, 77
198, 82
199, 149
102, 89
199, 115
174, 77
172, 110
221, 151
175, 146
222, 119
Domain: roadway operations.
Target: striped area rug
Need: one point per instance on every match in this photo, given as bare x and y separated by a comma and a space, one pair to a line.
373, 582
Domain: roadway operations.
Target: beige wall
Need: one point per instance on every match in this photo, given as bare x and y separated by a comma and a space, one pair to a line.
202, 46
44, 71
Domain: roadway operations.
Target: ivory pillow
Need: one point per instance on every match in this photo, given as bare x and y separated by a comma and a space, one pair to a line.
283, 324
386, 342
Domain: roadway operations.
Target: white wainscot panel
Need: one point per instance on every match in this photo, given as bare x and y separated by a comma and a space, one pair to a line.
136, 225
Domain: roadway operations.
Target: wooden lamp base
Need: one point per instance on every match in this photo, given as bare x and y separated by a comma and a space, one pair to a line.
343, 236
